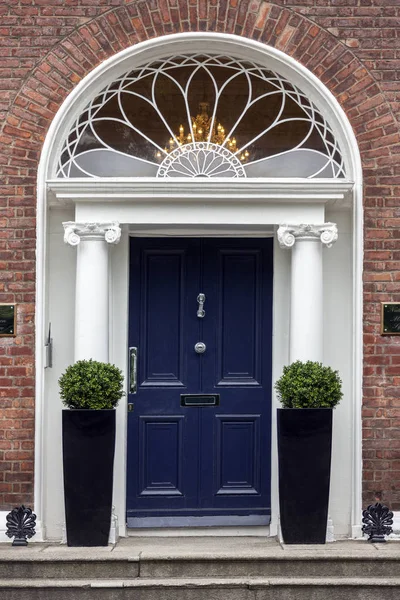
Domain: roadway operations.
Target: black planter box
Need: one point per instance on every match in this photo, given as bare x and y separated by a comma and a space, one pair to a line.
304, 450
88, 459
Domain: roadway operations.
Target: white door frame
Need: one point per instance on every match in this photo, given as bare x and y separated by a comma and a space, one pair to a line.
221, 208
279, 201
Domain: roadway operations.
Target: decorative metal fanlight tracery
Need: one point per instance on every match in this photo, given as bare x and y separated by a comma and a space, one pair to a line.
258, 124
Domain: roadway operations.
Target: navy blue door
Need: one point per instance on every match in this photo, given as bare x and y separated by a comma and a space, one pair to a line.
186, 459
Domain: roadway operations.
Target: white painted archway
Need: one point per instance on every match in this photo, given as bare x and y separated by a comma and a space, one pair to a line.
125, 199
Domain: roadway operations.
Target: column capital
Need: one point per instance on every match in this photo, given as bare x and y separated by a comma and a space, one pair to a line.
326, 233
74, 232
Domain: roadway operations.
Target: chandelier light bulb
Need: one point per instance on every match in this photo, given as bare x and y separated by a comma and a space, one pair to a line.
204, 131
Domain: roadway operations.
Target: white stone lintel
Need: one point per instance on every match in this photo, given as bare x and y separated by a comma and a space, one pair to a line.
74, 232
326, 233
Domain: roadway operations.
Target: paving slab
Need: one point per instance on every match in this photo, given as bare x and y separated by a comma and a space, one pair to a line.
208, 548
90, 550
97, 553
30, 552
247, 547
202, 547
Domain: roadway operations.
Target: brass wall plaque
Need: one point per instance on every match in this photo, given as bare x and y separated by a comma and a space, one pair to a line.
390, 320
8, 320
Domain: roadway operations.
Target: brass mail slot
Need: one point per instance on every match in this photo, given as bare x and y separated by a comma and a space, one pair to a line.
199, 399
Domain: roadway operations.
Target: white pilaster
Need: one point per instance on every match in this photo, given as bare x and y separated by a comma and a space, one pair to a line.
92, 281
306, 312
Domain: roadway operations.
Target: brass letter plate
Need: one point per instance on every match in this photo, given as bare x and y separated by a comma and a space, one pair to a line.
199, 399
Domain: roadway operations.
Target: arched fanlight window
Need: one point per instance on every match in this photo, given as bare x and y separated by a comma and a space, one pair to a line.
201, 116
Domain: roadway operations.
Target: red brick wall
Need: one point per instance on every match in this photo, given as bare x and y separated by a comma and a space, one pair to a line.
47, 46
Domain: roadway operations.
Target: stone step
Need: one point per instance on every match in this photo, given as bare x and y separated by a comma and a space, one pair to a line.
257, 588
112, 566
277, 566
69, 569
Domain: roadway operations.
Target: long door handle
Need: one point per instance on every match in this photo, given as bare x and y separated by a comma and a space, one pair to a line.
133, 352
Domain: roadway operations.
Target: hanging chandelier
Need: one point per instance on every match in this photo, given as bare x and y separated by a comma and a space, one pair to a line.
201, 125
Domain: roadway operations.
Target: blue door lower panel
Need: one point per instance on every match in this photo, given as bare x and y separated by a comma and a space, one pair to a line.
194, 459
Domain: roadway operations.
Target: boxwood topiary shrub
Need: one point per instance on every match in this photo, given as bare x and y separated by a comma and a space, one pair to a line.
91, 384
309, 385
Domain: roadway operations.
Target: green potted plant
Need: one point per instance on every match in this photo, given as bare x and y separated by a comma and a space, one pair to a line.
91, 391
308, 392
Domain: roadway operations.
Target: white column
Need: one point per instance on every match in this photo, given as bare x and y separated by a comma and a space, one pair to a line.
306, 301
92, 282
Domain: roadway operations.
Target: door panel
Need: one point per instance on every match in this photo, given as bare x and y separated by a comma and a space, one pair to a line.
238, 295
237, 455
163, 290
161, 445
200, 460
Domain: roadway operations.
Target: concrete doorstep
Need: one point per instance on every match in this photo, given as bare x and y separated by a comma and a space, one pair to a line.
201, 569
